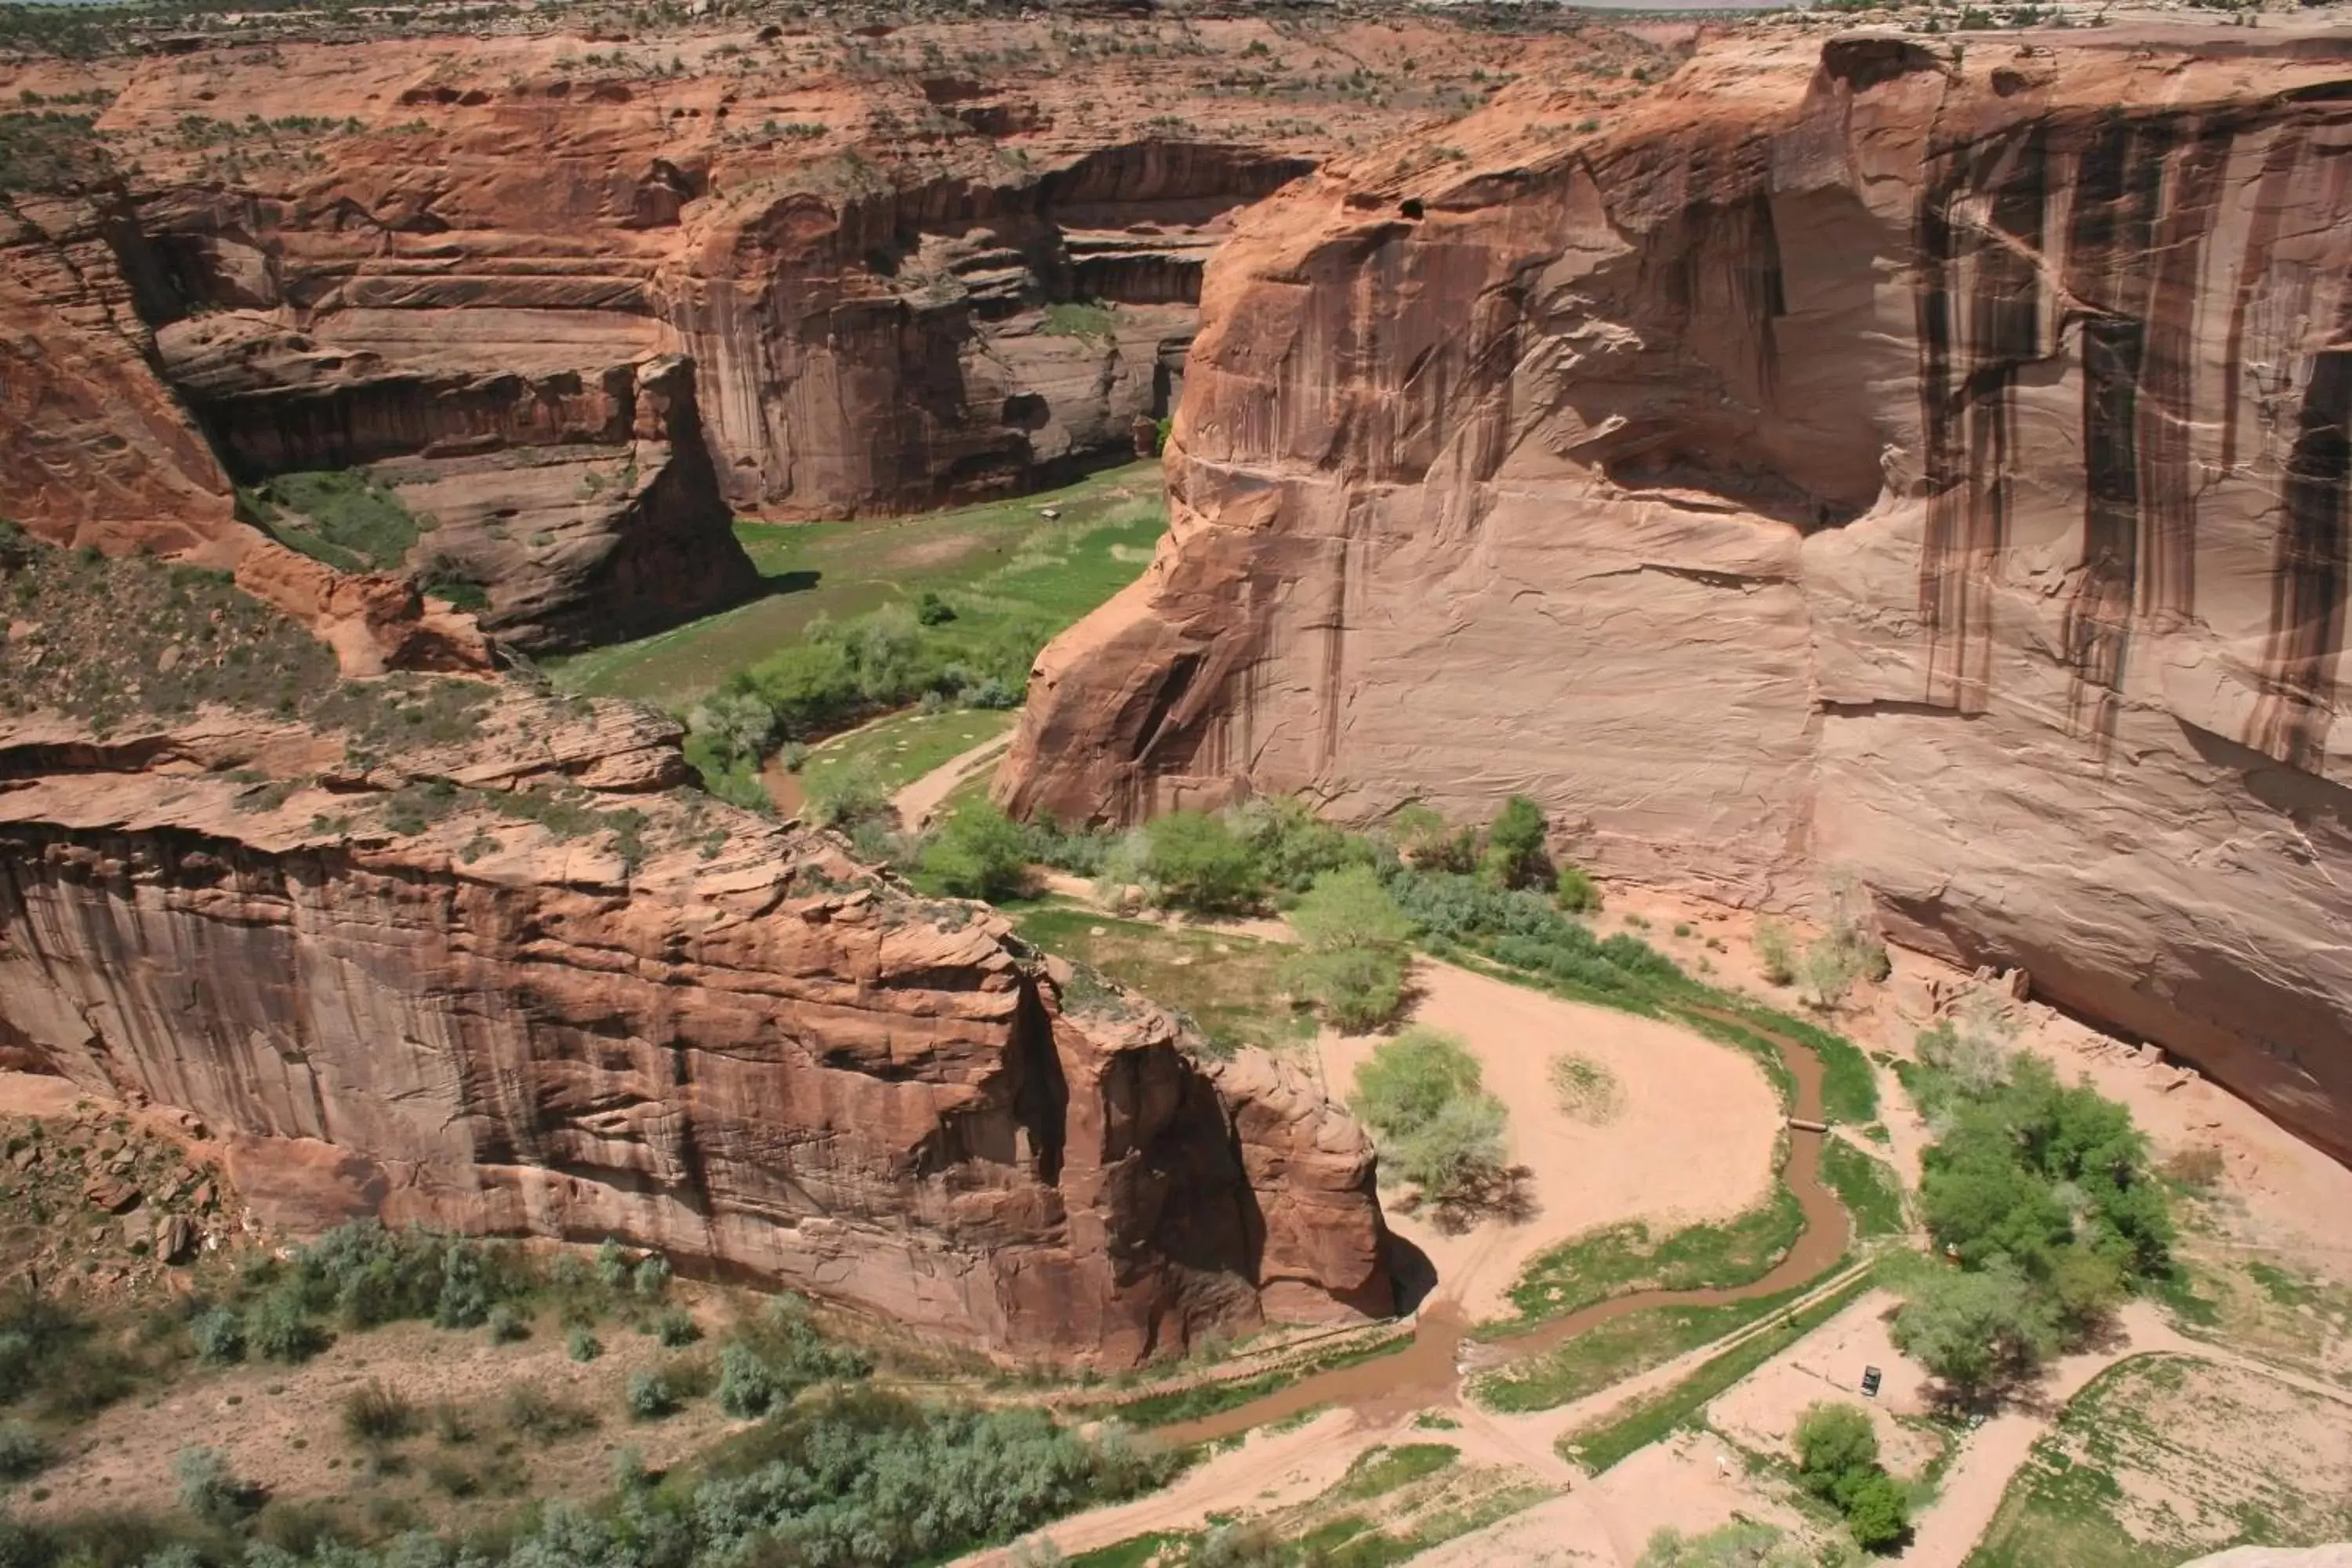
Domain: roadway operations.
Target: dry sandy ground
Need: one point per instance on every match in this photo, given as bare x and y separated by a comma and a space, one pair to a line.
1762, 1412
2280, 1196
1692, 1141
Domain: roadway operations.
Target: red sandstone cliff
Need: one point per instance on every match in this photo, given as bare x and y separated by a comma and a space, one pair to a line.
519, 983
576, 297
1874, 458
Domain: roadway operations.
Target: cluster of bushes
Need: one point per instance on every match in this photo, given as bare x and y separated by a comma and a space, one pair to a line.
1437, 1126
857, 1479
365, 1273
844, 670
1358, 901
339, 516
51, 153
1837, 1461
2040, 1199
765, 1366
1849, 951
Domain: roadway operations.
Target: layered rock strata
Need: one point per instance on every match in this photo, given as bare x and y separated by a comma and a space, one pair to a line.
520, 983
812, 274
1890, 458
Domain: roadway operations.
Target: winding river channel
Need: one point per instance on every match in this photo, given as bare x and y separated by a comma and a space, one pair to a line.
1429, 1371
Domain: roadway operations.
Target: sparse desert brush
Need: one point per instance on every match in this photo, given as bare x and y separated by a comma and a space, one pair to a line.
374, 1414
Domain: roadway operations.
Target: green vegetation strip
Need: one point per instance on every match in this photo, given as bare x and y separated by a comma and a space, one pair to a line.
1231, 987
1622, 1258
1648, 1421
1619, 1348
996, 564
1867, 1187
899, 750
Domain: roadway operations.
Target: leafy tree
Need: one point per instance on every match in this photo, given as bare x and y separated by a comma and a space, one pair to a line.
1775, 952
1976, 1329
1514, 854
1410, 1079
845, 793
1421, 1094
1428, 843
1877, 1511
1574, 892
1358, 988
1350, 908
1457, 1151
1354, 937
1835, 1439
1290, 846
978, 853
1830, 968
1198, 863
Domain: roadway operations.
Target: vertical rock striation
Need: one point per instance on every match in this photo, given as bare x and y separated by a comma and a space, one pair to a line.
697, 1032
1865, 457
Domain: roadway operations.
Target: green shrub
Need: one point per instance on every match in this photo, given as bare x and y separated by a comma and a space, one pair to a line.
1878, 1512
1080, 319
505, 1325
978, 853
1514, 854
1290, 847
1354, 938
650, 1281
1739, 1546
1776, 953
648, 1395
339, 516
767, 1365
674, 1328
374, 1414
210, 1489
748, 1386
219, 1335
1428, 843
1350, 908
1834, 1441
845, 793
612, 1265
1422, 1096
1574, 892
534, 1413
582, 1346
1357, 988
1198, 863
276, 1328
24, 1453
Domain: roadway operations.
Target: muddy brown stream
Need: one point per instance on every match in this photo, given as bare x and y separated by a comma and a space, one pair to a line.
1428, 1371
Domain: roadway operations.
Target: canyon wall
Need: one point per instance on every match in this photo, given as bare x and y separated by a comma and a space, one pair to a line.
872, 273
519, 985
1918, 461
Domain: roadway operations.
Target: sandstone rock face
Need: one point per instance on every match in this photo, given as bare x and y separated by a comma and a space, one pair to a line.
98, 449
576, 300
1865, 459
615, 1011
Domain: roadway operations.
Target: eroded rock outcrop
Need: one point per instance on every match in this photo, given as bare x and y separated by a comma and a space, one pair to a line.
1866, 458
575, 301
514, 981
